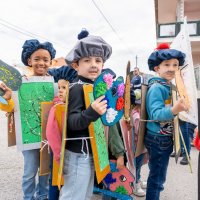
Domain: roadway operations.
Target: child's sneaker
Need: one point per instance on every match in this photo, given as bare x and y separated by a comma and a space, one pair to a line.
174, 154
138, 191
184, 161
143, 184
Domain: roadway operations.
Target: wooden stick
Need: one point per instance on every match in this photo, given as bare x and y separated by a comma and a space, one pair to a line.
185, 150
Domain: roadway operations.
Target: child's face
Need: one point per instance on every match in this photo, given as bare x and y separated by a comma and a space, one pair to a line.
136, 71
62, 90
89, 67
40, 61
167, 69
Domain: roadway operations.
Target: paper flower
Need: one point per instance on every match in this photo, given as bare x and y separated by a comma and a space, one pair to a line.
101, 89
120, 103
108, 78
110, 115
120, 89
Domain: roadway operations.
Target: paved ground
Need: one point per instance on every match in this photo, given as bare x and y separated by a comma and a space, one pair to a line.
180, 185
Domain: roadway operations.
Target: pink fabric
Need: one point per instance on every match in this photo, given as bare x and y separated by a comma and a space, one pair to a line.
136, 122
53, 134
56, 100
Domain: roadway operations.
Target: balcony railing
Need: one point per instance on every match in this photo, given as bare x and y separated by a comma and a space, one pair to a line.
172, 29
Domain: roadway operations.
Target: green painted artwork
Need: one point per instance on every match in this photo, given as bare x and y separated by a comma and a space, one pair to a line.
100, 141
10, 76
30, 96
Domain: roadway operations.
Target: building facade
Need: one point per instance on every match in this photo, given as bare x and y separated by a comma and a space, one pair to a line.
169, 16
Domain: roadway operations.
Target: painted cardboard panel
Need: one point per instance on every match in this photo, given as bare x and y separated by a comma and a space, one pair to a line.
28, 100
98, 140
44, 151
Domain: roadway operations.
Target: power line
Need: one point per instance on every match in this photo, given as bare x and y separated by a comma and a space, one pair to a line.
106, 19
28, 32
16, 30
111, 26
25, 32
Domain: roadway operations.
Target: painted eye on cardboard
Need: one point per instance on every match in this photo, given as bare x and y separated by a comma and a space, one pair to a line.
114, 91
122, 178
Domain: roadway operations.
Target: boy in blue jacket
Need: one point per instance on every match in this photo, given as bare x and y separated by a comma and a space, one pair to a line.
159, 135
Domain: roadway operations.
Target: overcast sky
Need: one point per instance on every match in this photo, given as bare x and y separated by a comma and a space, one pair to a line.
59, 21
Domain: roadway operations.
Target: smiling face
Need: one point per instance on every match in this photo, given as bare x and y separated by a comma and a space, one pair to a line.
89, 67
167, 69
62, 90
40, 61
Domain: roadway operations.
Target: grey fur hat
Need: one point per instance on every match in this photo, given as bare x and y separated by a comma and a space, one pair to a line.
89, 46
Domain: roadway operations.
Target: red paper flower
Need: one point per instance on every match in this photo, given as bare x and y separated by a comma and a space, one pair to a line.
120, 103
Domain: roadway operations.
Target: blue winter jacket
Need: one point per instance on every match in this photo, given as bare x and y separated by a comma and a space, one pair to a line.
158, 106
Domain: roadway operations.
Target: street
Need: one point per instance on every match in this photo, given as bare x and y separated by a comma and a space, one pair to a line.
180, 184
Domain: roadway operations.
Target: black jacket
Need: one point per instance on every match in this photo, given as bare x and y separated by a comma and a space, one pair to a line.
79, 117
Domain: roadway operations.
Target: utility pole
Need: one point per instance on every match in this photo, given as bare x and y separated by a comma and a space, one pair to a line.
136, 58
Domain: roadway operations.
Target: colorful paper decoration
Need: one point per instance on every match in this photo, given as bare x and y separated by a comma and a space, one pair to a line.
27, 105
119, 181
98, 140
10, 76
114, 94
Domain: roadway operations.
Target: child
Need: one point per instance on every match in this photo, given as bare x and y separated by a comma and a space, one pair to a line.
136, 83
88, 56
7, 96
54, 134
159, 136
68, 72
38, 56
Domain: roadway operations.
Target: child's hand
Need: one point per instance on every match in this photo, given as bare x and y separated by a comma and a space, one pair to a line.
100, 106
179, 106
120, 162
8, 91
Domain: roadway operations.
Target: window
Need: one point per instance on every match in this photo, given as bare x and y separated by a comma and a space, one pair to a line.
192, 28
167, 30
